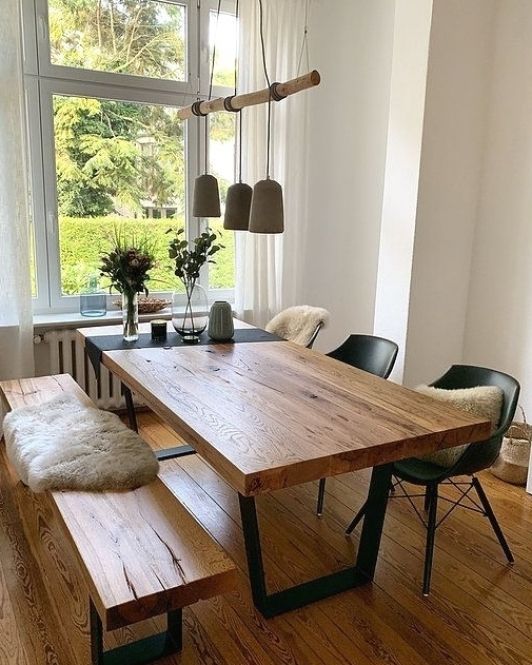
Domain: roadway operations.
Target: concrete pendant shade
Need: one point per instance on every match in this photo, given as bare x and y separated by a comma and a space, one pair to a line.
238, 207
206, 197
267, 213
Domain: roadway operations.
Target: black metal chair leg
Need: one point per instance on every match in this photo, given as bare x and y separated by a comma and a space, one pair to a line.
432, 493
426, 505
321, 498
493, 520
358, 517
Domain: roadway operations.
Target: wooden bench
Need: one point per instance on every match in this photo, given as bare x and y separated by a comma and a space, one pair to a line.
140, 552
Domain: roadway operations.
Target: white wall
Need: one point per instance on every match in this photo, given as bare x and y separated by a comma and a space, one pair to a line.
351, 45
499, 318
454, 132
407, 105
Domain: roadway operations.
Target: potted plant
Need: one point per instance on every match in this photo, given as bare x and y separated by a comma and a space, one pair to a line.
188, 260
127, 265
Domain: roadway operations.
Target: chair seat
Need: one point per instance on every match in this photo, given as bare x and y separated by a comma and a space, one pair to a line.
419, 472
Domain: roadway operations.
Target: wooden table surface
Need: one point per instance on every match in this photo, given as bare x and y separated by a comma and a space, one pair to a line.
268, 415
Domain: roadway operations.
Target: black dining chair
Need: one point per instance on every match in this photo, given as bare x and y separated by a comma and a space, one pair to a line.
475, 458
372, 354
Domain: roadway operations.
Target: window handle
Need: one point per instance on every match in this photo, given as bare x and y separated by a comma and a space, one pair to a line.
43, 33
52, 225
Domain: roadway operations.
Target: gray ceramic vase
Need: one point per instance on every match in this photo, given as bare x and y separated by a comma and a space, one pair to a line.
221, 325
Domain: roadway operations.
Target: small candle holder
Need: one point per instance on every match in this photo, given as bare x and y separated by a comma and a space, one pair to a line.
158, 330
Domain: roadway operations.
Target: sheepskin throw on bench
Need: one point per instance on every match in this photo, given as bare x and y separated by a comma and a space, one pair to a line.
63, 444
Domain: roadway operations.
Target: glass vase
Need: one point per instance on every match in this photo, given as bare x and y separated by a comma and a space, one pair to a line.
130, 316
191, 319
93, 300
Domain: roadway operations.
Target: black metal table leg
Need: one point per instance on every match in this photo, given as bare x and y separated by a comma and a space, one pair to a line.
142, 652
177, 451
132, 416
322, 587
164, 453
375, 512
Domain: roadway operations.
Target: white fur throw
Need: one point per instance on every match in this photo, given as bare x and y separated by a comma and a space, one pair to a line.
297, 324
63, 444
483, 401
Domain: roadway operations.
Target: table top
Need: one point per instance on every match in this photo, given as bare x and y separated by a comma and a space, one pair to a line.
270, 415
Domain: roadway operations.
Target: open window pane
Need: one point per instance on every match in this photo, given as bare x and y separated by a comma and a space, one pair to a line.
222, 165
118, 165
223, 33
137, 37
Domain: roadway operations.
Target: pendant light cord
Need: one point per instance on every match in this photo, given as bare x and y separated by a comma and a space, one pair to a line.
239, 119
267, 77
304, 42
213, 60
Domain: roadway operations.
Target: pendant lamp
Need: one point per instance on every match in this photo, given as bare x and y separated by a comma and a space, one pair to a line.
267, 211
238, 207
206, 197
206, 202
238, 198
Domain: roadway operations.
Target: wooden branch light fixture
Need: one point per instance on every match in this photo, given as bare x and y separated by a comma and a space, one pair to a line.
259, 210
278, 91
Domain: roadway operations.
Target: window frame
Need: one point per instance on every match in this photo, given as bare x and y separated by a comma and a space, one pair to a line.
43, 80
48, 69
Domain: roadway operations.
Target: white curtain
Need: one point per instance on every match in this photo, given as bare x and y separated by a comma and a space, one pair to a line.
268, 267
16, 330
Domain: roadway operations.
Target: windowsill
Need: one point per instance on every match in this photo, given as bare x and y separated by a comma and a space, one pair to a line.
75, 320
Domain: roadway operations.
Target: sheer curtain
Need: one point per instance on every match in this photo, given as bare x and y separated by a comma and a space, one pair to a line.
268, 267
16, 327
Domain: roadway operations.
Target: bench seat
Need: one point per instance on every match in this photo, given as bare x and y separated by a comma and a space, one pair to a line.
140, 552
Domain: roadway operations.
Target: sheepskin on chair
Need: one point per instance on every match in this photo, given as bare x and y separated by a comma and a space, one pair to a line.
298, 324
63, 444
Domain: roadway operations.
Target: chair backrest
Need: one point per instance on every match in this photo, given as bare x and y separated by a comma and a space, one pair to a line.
300, 324
482, 455
314, 335
372, 354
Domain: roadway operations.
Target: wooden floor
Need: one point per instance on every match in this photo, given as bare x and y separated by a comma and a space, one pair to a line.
479, 611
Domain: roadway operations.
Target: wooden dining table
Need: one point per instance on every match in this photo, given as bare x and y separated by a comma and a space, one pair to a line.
267, 415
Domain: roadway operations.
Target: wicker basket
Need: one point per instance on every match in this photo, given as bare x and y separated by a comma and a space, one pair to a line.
512, 463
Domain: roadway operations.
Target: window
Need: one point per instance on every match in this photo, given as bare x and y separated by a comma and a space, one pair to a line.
137, 37
104, 81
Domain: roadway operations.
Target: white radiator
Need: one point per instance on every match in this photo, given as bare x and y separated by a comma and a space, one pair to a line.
67, 356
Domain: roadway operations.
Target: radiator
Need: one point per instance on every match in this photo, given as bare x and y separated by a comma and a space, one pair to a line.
67, 356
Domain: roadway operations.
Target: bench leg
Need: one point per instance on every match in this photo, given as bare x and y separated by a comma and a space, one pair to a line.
141, 652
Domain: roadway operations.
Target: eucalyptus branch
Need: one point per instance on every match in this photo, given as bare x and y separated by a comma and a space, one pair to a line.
189, 259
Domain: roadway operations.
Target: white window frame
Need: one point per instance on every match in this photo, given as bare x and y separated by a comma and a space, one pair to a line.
43, 80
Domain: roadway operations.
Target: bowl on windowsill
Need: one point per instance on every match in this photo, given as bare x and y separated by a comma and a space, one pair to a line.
147, 305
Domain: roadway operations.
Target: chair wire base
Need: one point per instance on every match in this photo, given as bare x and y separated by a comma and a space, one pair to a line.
431, 522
